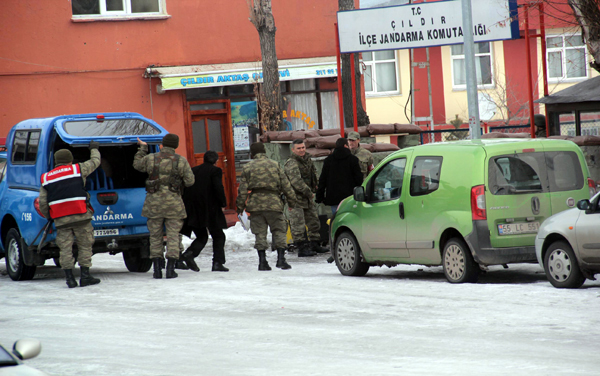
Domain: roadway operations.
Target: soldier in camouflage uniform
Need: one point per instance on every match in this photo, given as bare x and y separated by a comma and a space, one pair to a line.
64, 199
167, 172
365, 159
262, 185
302, 174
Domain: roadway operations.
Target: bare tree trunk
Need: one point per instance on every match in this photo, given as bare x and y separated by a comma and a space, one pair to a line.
269, 98
362, 117
587, 13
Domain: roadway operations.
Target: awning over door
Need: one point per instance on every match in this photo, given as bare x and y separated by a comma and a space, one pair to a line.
196, 76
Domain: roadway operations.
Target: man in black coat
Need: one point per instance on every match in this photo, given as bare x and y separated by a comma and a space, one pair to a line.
341, 173
203, 203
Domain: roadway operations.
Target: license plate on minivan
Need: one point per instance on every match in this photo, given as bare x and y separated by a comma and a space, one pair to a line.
107, 232
518, 228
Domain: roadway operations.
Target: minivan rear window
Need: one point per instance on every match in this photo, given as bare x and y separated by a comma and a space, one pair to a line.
522, 173
120, 127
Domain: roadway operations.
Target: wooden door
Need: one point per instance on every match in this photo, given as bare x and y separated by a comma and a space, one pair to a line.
209, 128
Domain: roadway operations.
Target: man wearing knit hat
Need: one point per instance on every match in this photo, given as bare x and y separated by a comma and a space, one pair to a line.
64, 199
365, 158
261, 186
167, 173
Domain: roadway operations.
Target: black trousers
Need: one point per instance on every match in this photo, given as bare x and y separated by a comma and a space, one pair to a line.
218, 237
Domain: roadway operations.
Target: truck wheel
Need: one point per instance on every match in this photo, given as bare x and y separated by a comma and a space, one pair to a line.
135, 262
16, 268
458, 263
347, 256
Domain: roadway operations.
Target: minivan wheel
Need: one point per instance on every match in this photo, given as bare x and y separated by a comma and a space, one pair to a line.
561, 266
16, 268
135, 262
458, 263
347, 256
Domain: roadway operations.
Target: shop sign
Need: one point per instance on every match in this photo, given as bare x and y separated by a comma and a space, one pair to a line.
424, 25
248, 76
287, 117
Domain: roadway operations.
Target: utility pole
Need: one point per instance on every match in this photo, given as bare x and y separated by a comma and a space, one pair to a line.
471, 74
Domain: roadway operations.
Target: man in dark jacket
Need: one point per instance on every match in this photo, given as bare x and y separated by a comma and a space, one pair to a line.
203, 203
341, 173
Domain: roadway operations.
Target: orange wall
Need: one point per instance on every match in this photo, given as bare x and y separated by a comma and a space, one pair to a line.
50, 65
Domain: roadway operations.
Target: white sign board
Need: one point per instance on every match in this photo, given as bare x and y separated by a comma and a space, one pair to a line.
424, 25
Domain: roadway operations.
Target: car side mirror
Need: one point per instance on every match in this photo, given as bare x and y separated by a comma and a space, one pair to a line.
583, 204
359, 194
27, 348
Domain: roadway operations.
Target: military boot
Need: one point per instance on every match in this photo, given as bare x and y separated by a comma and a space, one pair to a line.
315, 246
71, 282
87, 279
262, 261
304, 249
188, 258
218, 267
157, 268
180, 264
171, 268
281, 263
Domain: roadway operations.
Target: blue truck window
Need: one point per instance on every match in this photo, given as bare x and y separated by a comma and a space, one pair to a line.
32, 146
25, 146
120, 127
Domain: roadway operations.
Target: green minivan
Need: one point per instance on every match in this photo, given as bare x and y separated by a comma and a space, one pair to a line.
463, 205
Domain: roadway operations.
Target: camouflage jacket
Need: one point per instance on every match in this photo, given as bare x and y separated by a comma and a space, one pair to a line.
365, 160
262, 183
87, 168
163, 203
303, 176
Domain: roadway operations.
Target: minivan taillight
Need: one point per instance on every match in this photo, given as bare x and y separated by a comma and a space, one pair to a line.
36, 205
592, 186
478, 202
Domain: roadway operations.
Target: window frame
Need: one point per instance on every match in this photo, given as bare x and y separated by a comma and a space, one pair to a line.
371, 197
373, 64
563, 58
125, 14
429, 190
26, 153
477, 54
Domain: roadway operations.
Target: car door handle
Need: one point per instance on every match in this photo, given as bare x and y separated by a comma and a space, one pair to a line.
401, 208
535, 205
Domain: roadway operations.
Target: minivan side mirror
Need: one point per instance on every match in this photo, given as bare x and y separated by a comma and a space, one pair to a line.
359, 194
583, 204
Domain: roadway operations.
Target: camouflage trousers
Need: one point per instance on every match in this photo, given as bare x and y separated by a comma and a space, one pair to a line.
302, 220
172, 226
83, 235
260, 221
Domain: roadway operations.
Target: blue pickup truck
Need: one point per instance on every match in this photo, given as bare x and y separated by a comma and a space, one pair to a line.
116, 188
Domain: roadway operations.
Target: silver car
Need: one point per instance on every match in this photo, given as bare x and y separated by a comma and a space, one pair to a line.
11, 361
567, 245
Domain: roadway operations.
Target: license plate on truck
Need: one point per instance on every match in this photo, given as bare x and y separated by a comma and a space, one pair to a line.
107, 232
518, 228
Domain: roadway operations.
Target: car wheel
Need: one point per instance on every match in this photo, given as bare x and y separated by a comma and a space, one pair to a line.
16, 268
458, 263
347, 256
561, 266
135, 262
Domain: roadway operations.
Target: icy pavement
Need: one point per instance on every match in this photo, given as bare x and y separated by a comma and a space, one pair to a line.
309, 320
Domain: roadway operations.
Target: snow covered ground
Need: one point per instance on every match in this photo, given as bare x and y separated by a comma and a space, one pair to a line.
309, 320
